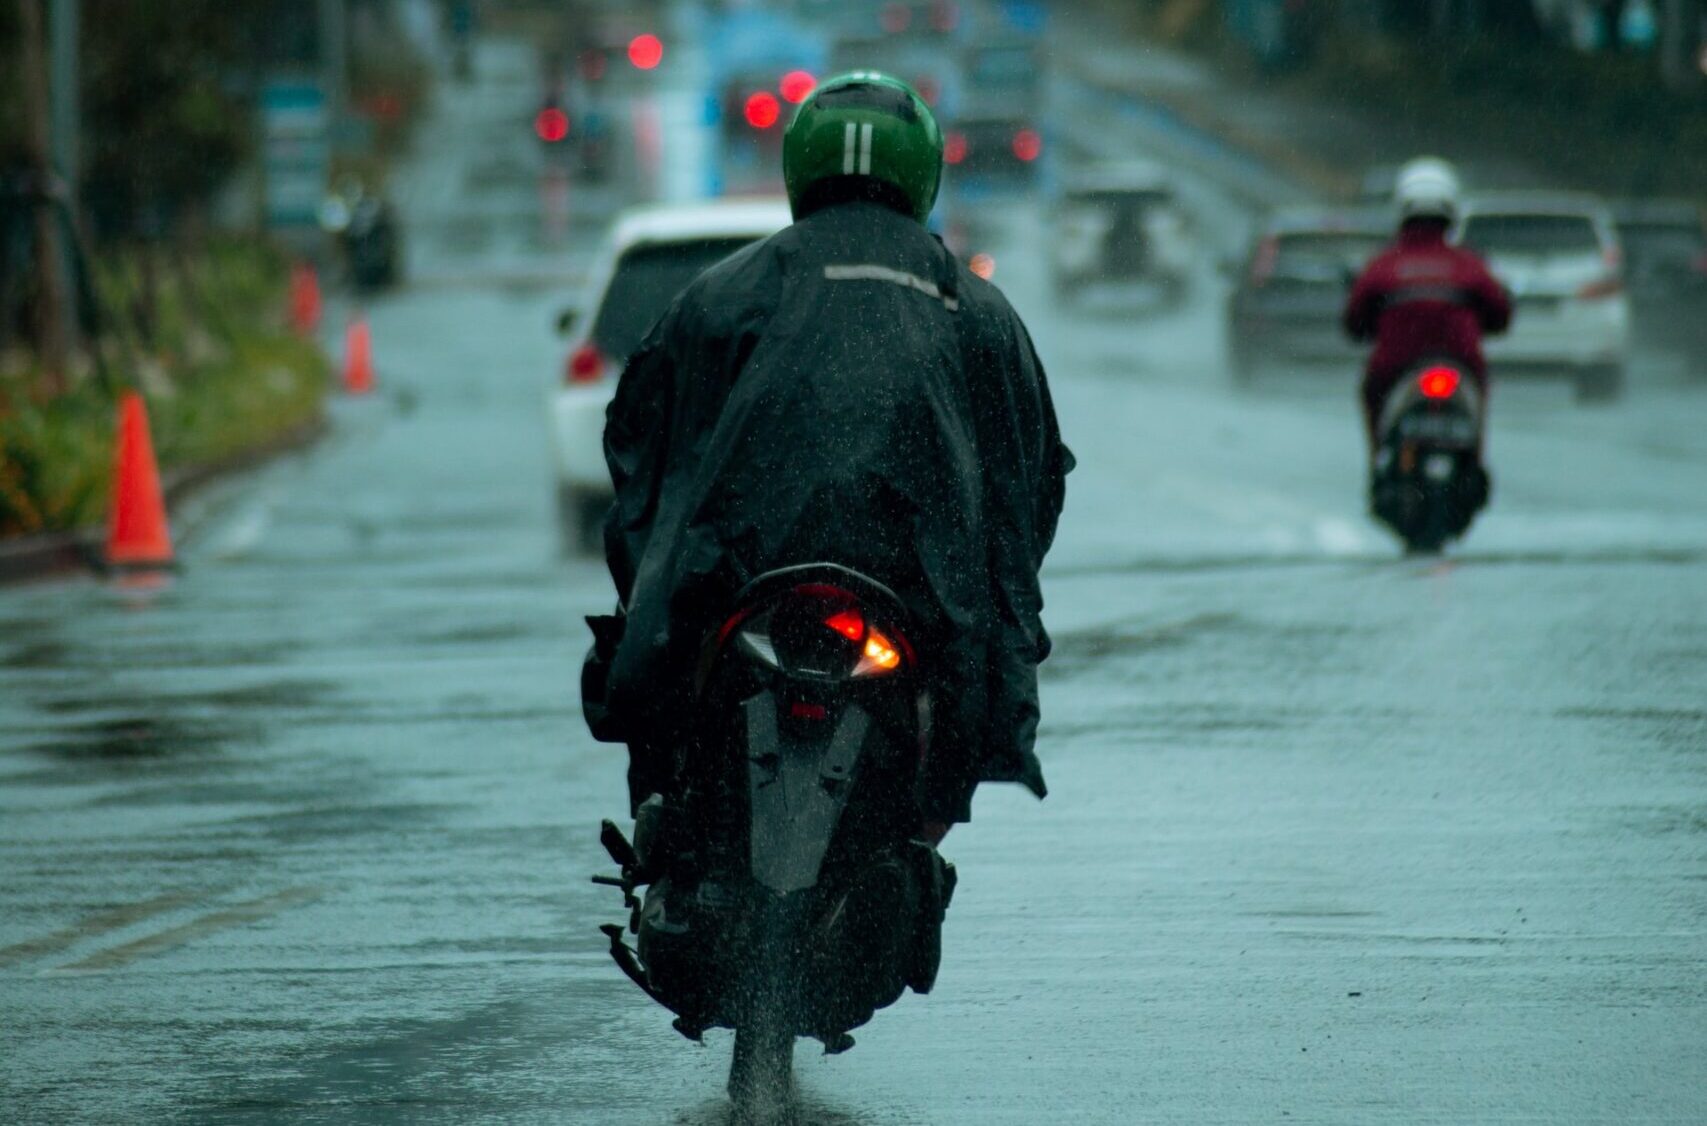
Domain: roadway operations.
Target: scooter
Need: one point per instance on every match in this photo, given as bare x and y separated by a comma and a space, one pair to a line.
1427, 481
788, 892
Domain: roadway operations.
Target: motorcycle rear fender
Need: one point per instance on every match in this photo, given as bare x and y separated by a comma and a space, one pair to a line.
797, 790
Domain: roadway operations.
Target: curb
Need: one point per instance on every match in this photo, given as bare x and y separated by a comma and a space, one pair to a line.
50, 554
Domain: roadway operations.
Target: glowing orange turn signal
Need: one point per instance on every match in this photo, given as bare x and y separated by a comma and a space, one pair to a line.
880, 652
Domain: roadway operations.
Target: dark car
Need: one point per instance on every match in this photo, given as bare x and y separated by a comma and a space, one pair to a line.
1665, 273
1665, 249
1005, 149
1120, 222
1291, 287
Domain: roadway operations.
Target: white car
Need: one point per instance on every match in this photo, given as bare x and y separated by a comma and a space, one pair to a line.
651, 254
1558, 255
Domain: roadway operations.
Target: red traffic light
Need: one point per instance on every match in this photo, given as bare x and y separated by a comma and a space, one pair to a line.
551, 124
796, 85
645, 51
762, 110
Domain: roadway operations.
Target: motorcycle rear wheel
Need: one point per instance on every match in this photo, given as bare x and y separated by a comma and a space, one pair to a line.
761, 1071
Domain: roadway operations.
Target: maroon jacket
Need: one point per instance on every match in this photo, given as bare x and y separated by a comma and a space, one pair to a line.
1423, 297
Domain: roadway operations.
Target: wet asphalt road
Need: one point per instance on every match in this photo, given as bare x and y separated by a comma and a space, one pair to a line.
1334, 837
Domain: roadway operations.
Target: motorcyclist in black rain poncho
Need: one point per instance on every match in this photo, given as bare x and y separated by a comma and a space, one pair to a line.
842, 391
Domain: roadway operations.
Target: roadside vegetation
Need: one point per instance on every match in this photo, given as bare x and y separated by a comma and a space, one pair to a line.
151, 272
206, 344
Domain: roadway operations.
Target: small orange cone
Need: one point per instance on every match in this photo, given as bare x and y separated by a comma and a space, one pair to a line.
305, 301
137, 535
358, 358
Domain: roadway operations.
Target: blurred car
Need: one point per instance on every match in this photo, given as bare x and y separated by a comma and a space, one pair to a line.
1290, 288
929, 70
1121, 223
651, 254
1665, 270
1665, 249
1003, 149
1558, 254
762, 65
1005, 69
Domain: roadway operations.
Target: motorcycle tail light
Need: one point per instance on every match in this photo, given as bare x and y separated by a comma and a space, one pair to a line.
817, 632
848, 623
880, 656
1439, 383
1028, 145
585, 365
955, 148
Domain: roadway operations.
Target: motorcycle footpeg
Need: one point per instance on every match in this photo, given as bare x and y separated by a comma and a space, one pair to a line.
628, 961
617, 846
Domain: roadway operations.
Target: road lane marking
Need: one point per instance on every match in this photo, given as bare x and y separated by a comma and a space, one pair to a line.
238, 915
101, 922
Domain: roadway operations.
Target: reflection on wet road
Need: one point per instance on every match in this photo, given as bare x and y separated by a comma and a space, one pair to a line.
1333, 836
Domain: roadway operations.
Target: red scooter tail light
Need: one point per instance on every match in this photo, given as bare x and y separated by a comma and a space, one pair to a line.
954, 148
1438, 383
585, 365
1028, 145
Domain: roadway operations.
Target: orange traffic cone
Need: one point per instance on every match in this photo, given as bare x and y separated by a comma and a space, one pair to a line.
358, 358
305, 301
137, 535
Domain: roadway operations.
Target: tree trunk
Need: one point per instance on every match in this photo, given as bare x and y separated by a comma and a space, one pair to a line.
51, 300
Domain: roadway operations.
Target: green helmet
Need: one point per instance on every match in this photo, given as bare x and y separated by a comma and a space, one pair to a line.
864, 124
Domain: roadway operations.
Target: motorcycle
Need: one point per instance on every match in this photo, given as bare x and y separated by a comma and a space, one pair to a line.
788, 892
1427, 481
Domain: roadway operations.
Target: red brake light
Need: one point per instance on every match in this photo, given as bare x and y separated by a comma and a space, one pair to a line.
585, 365
955, 148
1263, 261
983, 265
1028, 145
1438, 383
645, 51
551, 124
762, 110
796, 85
1609, 286
849, 623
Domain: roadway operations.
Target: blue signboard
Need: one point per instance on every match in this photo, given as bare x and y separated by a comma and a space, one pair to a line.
295, 152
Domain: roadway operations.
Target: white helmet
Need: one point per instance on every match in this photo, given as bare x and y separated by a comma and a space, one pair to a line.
1427, 188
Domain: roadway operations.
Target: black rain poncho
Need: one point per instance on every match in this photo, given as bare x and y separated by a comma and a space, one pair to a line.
844, 392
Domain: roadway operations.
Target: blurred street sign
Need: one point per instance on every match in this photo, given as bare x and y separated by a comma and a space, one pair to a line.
295, 152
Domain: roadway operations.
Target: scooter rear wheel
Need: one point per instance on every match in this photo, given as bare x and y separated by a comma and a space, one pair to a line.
761, 1072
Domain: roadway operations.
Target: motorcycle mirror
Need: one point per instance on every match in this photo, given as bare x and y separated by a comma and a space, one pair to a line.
566, 320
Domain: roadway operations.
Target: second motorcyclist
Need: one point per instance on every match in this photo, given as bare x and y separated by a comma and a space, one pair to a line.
1423, 298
